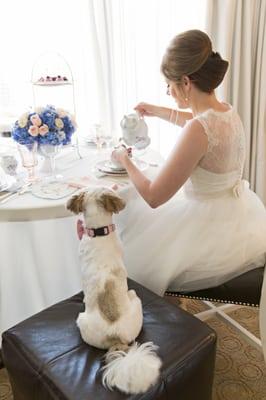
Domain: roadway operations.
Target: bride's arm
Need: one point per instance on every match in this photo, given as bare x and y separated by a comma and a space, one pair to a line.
180, 117
187, 153
174, 116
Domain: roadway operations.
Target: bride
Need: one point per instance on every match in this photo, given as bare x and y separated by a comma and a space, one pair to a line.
200, 224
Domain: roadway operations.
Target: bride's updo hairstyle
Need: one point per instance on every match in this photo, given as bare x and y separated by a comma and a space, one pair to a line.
190, 53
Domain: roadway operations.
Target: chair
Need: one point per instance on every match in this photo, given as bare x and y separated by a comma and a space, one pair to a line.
244, 290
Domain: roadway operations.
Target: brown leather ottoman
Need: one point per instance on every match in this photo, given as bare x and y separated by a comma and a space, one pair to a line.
47, 359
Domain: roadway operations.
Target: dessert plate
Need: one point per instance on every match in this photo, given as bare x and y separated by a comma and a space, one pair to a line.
52, 83
53, 190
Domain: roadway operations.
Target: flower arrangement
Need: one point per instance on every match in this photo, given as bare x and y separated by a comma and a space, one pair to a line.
45, 125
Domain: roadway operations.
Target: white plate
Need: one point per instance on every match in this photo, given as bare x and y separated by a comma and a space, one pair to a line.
52, 83
109, 168
112, 173
112, 167
52, 190
92, 143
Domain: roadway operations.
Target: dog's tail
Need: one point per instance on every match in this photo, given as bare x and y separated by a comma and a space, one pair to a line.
132, 370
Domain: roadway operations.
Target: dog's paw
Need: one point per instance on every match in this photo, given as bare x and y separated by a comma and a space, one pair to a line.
132, 294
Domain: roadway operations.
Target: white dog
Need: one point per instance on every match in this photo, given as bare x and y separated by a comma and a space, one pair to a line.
113, 314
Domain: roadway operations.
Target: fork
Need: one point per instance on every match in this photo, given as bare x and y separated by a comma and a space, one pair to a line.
11, 195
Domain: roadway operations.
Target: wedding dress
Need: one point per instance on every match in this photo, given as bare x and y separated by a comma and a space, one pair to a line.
211, 230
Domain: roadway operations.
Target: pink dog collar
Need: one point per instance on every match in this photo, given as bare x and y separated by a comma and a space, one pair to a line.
93, 232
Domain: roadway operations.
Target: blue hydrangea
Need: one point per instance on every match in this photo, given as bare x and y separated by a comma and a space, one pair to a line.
55, 135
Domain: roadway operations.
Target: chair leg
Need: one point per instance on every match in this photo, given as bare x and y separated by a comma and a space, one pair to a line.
212, 311
263, 315
1, 360
220, 312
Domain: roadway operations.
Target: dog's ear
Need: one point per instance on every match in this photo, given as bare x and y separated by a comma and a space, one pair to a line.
111, 202
76, 203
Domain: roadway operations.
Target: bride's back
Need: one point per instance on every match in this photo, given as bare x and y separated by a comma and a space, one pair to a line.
226, 141
220, 171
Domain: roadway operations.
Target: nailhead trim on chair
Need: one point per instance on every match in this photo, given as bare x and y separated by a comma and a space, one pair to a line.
248, 283
174, 294
1, 360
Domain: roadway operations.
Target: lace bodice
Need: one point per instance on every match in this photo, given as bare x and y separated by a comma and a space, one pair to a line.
226, 150
222, 166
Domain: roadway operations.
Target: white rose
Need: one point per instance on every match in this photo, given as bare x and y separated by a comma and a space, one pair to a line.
59, 123
61, 113
39, 110
23, 120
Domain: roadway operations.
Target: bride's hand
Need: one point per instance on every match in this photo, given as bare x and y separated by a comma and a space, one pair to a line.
119, 155
145, 109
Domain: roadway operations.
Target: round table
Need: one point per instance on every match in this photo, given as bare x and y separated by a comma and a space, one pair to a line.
39, 246
27, 207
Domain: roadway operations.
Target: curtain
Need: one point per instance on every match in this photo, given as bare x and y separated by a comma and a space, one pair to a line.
31, 39
238, 28
126, 40
113, 47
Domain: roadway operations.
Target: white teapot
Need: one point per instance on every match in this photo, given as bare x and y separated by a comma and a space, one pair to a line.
135, 131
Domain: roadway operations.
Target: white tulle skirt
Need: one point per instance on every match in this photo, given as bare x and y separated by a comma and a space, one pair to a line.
190, 243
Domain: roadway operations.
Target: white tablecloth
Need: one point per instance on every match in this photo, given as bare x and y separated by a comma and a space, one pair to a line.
38, 267
39, 245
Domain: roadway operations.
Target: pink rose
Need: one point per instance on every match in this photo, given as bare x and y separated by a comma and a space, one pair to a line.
43, 130
36, 120
33, 130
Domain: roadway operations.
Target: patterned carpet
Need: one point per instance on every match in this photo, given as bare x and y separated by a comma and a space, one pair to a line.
240, 372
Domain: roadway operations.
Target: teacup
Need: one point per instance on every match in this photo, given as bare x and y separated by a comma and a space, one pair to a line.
116, 163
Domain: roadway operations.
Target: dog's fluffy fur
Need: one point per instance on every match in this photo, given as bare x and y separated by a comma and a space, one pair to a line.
113, 314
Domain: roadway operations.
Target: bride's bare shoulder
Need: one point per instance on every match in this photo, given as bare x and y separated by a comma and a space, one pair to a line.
193, 127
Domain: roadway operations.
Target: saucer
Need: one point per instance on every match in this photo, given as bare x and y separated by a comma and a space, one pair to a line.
108, 168
111, 166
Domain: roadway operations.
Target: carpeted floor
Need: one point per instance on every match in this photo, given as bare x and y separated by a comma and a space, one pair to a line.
240, 372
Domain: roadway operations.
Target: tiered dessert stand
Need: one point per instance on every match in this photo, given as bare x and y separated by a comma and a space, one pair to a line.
52, 83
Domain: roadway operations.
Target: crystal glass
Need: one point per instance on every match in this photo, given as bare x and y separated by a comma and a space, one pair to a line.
100, 137
28, 154
49, 151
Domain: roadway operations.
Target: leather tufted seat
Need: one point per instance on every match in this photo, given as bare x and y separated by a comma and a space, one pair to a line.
47, 359
245, 290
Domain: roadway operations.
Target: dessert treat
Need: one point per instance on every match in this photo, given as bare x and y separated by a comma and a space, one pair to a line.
48, 79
